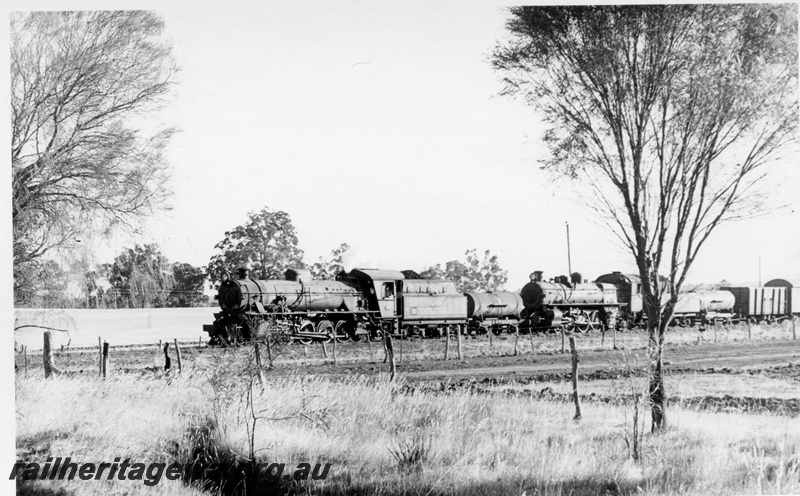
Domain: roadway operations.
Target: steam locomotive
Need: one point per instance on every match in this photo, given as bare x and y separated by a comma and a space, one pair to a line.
372, 302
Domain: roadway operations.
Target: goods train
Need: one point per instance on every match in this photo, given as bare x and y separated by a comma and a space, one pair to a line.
372, 302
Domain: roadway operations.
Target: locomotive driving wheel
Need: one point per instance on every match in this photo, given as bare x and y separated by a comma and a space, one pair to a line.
340, 331
306, 327
589, 322
325, 330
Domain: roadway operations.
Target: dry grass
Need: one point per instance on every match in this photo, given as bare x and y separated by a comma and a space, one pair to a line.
503, 345
382, 442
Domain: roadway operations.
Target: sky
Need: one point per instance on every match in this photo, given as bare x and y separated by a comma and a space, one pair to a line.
380, 124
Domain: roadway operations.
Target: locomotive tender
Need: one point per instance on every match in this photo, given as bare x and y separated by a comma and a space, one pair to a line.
371, 302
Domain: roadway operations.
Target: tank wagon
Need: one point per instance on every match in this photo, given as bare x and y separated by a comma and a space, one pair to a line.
495, 312
704, 307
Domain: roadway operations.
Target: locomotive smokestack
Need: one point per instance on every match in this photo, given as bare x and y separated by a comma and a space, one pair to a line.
536, 276
241, 273
576, 278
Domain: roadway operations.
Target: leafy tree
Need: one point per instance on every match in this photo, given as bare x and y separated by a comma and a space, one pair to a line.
42, 285
78, 81
474, 275
141, 277
188, 285
266, 244
322, 269
669, 114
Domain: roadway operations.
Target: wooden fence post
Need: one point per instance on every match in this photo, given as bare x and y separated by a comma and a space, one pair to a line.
178, 354
458, 334
47, 355
369, 344
794, 332
269, 349
491, 340
516, 340
387, 340
530, 334
257, 353
105, 359
167, 361
324, 350
715, 330
100, 355
749, 331
614, 336
335, 339
446, 341
575, 362
563, 337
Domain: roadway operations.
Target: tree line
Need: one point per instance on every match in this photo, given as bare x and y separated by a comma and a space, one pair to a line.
142, 277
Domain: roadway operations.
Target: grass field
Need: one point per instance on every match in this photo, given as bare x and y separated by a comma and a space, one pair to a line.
384, 440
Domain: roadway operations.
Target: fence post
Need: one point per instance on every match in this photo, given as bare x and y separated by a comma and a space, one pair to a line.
324, 350
749, 332
575, 361
178, 354
47, 354
105, 359
614, 335
100, 355
335, 338
533, 348
794, 332
491, 340
167, 361
458, 334
258, 363
446, 341
387, 341
715, 330
563, 337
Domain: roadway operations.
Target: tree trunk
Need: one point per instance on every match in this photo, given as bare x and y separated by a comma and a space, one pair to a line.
658, 395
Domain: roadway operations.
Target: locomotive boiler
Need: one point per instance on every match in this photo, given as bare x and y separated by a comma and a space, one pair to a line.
568, 303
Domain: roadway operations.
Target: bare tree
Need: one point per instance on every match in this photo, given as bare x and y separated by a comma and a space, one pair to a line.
671, 115
81, 83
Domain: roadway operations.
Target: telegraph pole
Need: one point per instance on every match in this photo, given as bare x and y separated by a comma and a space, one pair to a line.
759, 271
569, 257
